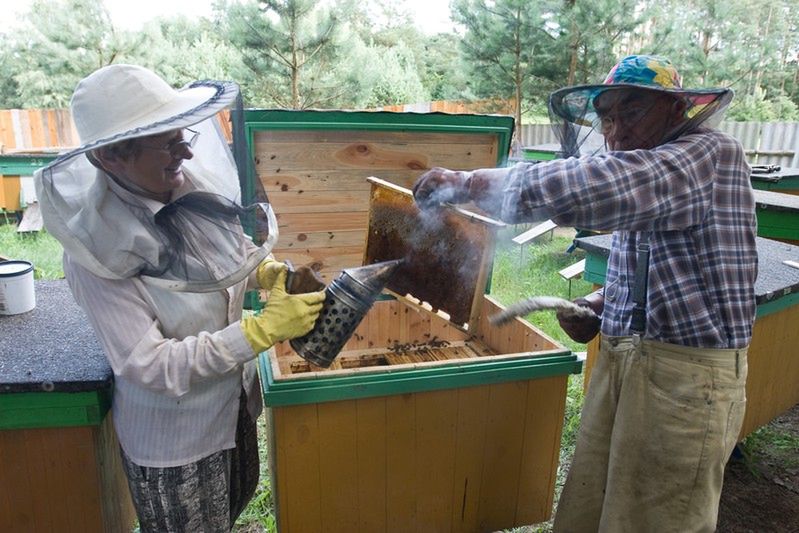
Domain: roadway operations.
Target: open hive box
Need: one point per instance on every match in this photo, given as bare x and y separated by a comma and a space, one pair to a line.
430, 419
313, 165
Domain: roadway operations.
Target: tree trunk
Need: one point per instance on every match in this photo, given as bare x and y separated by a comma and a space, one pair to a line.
574, 45
760, 62
516, 142
295, 68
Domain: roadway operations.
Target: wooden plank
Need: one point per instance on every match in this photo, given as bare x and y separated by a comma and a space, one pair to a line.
371, 502
52, 128
773, 369
117, 506
572, 271
67, 134
385, 312
319, 201
7, 138
504, 446
518, 337
332, 180
23, 133
323, 239
469, 456
287, 157
308, 222
402, 477
35, 122
323, 259
298, 462
338, 467
223, 117
543, 424
418, 324
534, 232
82, 479
361, 136
59, 490
11, 191
18, 498
436, 419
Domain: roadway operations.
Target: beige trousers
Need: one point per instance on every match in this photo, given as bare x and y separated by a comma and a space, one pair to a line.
658, 425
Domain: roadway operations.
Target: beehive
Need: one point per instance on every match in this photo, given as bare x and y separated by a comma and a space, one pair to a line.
313, 166
429, 419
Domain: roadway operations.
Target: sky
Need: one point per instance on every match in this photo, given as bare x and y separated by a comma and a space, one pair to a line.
431, 16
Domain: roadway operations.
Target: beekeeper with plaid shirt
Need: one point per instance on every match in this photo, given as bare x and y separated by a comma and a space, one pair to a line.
666, 398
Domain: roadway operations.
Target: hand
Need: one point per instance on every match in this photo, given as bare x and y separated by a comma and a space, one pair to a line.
439, 185
584, 329
267, 272
285, 316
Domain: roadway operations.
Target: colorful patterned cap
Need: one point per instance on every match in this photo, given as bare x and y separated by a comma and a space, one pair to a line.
645, 70
642, 72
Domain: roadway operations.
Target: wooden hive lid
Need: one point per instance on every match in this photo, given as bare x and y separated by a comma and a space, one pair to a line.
448, 252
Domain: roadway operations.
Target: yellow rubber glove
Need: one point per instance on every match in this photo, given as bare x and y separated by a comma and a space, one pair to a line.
267, 272
285, 316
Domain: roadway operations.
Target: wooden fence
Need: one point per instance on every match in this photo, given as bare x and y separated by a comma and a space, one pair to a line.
47, 130
36, 130
765, 143
24, 131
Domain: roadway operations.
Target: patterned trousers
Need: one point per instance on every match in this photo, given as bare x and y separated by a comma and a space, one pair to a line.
205, 496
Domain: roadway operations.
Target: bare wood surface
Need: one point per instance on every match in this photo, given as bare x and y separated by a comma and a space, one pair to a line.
319, 201
332, 180
322, 239
372, 136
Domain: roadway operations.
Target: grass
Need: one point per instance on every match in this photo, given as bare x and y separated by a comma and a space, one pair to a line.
40, 248
533, 271
778, 445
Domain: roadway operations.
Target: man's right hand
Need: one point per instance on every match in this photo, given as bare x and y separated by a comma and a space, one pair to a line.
584, 329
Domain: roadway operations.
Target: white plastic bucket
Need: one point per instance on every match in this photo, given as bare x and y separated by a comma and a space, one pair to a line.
16, 287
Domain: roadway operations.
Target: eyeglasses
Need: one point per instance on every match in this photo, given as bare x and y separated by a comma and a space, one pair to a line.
629, 116
175, 148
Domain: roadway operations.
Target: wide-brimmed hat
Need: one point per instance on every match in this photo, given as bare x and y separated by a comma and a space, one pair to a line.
120, 102
643, 73
193, 243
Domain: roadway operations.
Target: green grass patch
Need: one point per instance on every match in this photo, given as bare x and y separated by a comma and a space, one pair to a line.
40, 248
780, 446
520, 273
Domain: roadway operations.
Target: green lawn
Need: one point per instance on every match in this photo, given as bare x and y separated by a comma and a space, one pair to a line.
40, 248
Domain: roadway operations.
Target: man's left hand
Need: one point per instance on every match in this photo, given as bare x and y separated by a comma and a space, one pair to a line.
439, 185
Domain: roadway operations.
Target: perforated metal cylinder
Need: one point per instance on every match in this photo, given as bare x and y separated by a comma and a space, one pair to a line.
347, 300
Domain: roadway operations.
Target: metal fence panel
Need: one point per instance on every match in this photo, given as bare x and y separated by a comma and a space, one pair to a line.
779, 142
774, 143
533, 134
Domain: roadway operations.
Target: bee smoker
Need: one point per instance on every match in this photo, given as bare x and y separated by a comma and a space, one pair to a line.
348, 298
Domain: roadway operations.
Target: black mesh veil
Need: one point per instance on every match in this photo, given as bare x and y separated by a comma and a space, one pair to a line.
591, 119
193, 243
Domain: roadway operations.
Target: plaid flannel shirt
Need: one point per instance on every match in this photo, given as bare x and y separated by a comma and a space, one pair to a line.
693, 199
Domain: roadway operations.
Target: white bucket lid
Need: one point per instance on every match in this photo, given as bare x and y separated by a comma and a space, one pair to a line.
14, 268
